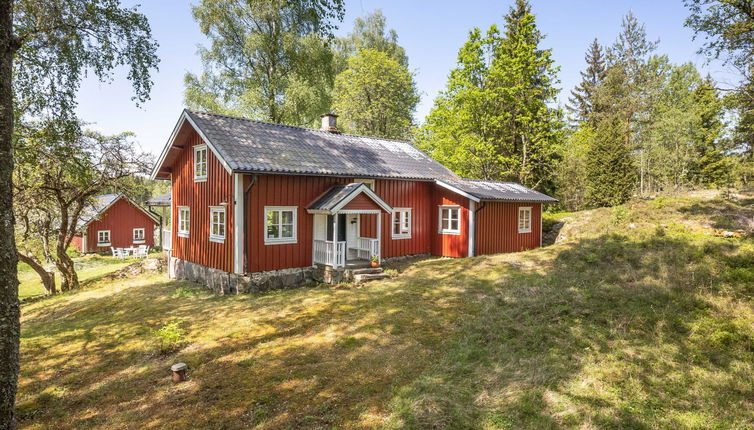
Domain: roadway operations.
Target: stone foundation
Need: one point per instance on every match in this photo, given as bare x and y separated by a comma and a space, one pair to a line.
222, 282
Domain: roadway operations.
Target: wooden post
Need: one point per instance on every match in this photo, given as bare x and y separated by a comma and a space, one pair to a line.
178, 371
379, 238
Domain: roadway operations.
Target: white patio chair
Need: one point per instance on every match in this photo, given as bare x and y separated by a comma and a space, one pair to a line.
142, 251
115, 252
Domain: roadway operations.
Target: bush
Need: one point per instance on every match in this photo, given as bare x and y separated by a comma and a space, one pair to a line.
168, 339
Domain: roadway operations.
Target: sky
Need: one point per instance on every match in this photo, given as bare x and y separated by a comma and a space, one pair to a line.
431, 31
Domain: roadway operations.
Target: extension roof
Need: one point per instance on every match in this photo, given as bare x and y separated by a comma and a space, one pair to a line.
480, 190
161, 200
249, 146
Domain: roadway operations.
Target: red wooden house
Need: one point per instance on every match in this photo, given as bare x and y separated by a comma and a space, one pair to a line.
250, 197
114, 221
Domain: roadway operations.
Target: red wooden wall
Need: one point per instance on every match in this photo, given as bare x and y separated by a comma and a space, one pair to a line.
199, 196
121, 218
495, 236
450, 245
362, 202
280, 190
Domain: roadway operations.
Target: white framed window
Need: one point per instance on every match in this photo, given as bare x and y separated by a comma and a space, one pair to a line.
200, 163
103, 238
524, 220
139, 235
368, 182
217, 224
184, 221
450, 220
280, 224
401, 223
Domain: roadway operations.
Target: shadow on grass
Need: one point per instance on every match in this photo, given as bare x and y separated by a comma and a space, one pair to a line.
606, 332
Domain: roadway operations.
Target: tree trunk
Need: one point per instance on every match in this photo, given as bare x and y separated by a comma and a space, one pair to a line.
48, 278
10, 326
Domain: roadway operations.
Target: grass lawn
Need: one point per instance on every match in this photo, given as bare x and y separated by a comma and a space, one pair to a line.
89, 267
641, 318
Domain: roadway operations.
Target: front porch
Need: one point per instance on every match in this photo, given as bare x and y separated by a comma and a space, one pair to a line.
338, 242
347, 226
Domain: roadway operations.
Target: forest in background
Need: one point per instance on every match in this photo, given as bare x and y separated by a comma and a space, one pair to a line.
636, 125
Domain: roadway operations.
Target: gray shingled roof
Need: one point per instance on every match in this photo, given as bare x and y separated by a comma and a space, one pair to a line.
100, 203
161, 200
254, 146
500, 191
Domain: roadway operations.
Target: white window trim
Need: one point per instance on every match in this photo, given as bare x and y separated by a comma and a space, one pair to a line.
215, 237
439, 220
392, 224
368, 182
527, 209
144, 235
183, 233
203, 178
109, 238
282, 241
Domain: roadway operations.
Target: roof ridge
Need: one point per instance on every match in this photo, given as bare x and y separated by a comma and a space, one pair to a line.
300, 127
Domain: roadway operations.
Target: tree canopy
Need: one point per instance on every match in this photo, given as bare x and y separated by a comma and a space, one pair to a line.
376, 96
494, 119
267, 59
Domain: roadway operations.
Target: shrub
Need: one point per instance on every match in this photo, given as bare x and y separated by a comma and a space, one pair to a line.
169, 338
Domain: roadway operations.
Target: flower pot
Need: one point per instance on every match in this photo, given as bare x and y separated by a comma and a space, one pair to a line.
375, 264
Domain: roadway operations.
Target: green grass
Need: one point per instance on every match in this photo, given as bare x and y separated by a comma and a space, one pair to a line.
650, 326
90, 267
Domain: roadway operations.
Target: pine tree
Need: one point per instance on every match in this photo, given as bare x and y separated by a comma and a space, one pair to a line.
712, 166
582, 102
611, 175
523, 77
494, 120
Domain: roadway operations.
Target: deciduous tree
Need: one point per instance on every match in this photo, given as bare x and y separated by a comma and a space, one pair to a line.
376, 96
46, 48
267, 59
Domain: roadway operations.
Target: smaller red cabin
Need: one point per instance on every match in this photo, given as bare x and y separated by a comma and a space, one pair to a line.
117, 222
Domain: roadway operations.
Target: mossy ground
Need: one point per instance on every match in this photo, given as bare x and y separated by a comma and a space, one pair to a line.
641, 318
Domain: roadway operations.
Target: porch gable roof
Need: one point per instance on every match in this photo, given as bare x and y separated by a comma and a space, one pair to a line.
338, 196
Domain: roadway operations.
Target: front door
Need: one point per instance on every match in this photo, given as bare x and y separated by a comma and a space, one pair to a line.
341, 227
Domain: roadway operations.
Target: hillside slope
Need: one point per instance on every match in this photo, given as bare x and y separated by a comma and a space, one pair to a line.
639, 317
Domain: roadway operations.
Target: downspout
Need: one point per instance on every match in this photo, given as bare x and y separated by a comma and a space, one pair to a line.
246, 192
476, 225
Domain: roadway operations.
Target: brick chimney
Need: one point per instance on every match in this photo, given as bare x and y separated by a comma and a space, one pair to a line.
329, 122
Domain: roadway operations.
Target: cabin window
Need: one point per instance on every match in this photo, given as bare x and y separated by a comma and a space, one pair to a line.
139, 235
450, 220
401, 223
200, 163
103, 238
524, 220
280, 224
184, 219
368, 182
217, 224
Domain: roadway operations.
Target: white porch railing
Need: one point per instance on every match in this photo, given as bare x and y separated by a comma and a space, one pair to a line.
367, 247
330, 253
166, 242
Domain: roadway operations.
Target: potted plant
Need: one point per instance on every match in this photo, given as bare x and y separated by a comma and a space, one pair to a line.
375, 261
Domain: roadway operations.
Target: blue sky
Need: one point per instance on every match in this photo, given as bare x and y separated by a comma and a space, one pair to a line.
431, 32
